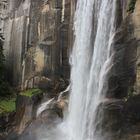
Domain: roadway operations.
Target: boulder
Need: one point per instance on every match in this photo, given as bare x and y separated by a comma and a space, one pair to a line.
26, 110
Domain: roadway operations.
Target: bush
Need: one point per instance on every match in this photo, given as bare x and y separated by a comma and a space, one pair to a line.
132, 4
5, 89
31, 92
7, 105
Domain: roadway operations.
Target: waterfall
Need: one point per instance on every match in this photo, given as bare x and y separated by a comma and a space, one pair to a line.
44, 106
91, 61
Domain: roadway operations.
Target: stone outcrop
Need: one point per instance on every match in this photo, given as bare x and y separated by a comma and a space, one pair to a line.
123, 71
26, 111
121, 118
28, 123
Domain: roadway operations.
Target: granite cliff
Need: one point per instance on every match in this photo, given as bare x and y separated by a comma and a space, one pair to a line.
38, 39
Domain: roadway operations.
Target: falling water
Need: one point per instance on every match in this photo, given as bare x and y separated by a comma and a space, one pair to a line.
91, 62
44, 106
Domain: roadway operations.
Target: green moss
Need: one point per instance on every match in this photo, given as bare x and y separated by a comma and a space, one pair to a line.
30, 92
132, 5
7, 105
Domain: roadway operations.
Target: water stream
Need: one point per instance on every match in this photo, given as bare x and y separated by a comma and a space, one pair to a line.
91, 61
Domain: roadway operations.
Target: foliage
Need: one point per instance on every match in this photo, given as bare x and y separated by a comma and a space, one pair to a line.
30, 92
132, 5
7, 105
5, 89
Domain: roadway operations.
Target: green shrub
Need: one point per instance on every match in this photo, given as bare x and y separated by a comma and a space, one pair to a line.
7, 105
132, 5
30, 92
5, 89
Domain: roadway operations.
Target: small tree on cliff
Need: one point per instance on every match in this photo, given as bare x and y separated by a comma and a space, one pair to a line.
132, 4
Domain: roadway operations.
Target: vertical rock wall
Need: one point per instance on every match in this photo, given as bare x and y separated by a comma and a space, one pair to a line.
3, 15
136, 22
15, 31
38, 37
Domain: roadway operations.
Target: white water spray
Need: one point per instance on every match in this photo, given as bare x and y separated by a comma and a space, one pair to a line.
91, 61
44, 106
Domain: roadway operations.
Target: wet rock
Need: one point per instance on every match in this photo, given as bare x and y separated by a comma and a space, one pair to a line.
53, 86
123, 74
41, 82
6, 124
26, 111
46, 84
133, 137
131, 116
54, 109
121, 118
112, 111
62, 104
11, 136
136, 22
132, 109
46, 121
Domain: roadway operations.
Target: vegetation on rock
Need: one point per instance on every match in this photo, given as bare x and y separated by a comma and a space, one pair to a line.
132, 5
5, 89
7, 105
30, 92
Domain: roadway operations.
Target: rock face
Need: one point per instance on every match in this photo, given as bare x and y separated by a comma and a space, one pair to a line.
121, 118
122, 74
121, 110
25, 111
124, 78
30, 120
38, 39
136, 22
